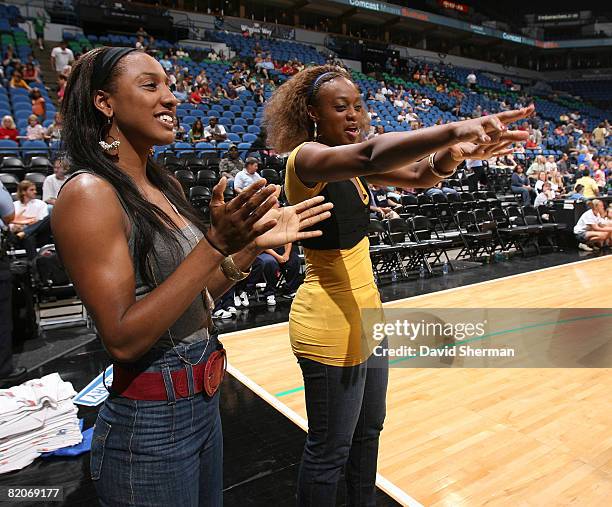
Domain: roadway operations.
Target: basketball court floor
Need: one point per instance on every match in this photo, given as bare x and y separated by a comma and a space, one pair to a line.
475, 437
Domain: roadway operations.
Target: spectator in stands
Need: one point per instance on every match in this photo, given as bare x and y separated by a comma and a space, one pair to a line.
196, 96
54, 131
599, 135
380, 96
150, 293
248, 175
197, 131
61, 87
10, 59
18, 82
53, 183
600, 177
591, 228
31, 222
39, 104
219, 93
520, 184
8, 130
538, 165
506, 161
531, 143
478, 168
545, 195
35, 131
285, 259
381, 204
564, 164
215, 132
231, 165
577, 193
591, 190
556, 182
180, 92
439, 188
31, 74
61, 56
471, 81
551, 165
541, 179
39, 28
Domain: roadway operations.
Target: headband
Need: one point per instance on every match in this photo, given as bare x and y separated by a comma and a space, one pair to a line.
105, 63
316, 84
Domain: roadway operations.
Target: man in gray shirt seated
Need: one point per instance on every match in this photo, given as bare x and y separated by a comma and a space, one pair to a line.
232, 164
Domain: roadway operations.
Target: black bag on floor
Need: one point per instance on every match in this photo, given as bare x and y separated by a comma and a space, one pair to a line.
49, 269
25, 324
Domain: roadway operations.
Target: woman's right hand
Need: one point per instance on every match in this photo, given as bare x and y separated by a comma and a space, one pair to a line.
234, 223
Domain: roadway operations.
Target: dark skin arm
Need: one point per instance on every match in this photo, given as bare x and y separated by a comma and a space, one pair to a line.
389, 159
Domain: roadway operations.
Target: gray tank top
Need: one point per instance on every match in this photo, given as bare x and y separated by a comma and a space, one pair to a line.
193, 325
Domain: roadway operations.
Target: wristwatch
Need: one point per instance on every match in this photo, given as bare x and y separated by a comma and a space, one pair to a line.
231, 271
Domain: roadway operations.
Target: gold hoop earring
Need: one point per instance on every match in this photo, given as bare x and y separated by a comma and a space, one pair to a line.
315, 134
108, 147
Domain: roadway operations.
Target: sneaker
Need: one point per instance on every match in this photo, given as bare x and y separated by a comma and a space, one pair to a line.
584, 247
244, 298
231, 310
237, 301
271, 300
222, 314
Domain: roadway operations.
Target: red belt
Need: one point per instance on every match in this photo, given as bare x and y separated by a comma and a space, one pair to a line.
207, 376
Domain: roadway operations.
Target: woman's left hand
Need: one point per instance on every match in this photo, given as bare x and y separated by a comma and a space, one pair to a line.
483, 151
291, 221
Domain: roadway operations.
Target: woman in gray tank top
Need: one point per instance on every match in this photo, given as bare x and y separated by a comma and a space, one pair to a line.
148, 273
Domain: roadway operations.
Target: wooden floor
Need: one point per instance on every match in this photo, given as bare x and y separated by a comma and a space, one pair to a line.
475, 437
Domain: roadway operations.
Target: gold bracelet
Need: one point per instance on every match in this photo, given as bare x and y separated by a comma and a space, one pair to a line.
432, 168
231, 271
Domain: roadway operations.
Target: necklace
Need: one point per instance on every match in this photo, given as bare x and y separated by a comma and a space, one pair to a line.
204, 293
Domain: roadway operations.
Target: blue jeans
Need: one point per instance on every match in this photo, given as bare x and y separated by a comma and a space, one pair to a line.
346, 409
160, 453
524, 194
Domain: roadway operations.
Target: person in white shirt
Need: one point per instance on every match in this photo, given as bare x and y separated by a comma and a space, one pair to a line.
551, 165
544, 196
54, 182
471, 80
248, 175
31, 222
539, 184
591, 228
61, 56
214, 132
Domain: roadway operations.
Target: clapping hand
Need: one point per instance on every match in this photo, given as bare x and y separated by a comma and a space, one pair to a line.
252, 217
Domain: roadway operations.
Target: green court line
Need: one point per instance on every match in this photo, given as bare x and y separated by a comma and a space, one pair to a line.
290, 391
497, 333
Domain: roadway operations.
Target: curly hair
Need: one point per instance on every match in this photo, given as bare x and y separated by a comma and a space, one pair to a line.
286, 116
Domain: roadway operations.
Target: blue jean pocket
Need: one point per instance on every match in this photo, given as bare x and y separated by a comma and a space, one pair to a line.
98, 444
